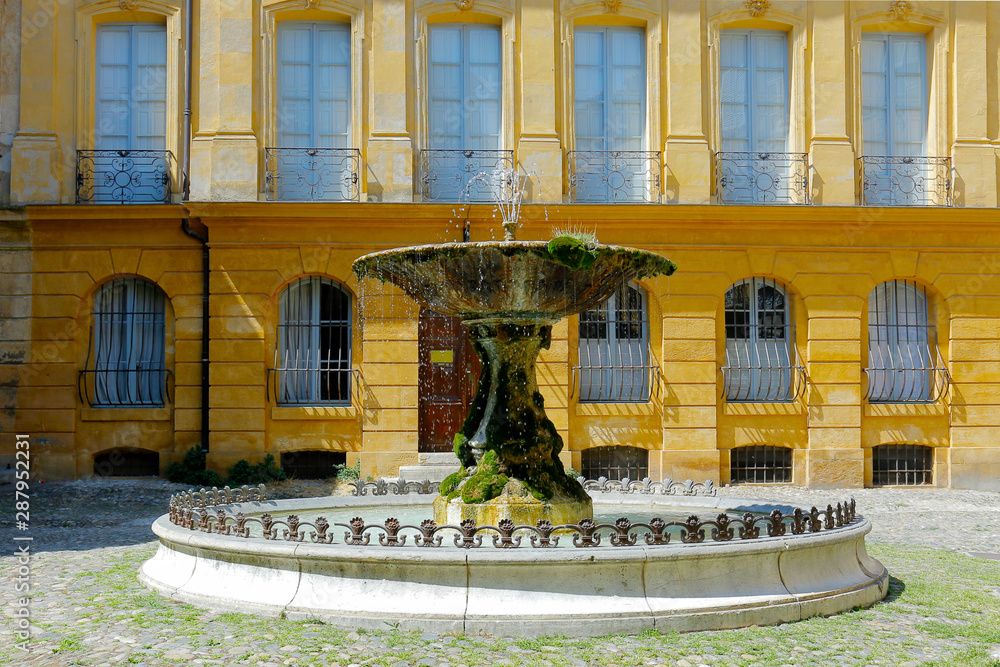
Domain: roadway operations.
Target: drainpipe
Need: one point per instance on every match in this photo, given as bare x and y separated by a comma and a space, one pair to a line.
185, 225
186, 138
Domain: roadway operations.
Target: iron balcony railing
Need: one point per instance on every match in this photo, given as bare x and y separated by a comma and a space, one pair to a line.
312, 174
762, 178
143, 386
463, 175
123, 176
904, 181
614, 176
615, 383
904, 366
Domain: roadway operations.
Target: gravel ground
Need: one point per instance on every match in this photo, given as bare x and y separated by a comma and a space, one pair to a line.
89, 537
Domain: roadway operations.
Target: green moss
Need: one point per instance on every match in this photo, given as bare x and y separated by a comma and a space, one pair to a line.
571, 252
452, 481
483, 486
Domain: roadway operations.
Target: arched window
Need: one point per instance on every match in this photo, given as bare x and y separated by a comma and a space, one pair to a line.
900, 363
760, 464
615, 462
127, 366
313, 355
614, 348
759, 339
902, 465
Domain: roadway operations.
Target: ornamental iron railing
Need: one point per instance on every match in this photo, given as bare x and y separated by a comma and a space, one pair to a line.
764, 368
762, 178
312, 174
600, 177
506, 534
905, 180
464, 175
123, 176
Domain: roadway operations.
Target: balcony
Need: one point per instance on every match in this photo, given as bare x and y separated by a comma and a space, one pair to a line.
762, 178
614, 176
459, 175
312, 174
905, 181
123, 176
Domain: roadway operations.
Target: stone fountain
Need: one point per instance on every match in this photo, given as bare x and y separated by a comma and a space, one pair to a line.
509, 294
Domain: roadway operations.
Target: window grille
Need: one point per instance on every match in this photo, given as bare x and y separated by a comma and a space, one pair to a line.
126, 364
312, 360
760, 464
127, 462
904, 365
760, 344
615, 462
312, 464
902, 465
614, 350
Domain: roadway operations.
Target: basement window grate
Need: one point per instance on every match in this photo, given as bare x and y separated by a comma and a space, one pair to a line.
760, 464
312, 464
902, 465
615, 463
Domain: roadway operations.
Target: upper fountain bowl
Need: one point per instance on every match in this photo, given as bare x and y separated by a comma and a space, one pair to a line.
511, 279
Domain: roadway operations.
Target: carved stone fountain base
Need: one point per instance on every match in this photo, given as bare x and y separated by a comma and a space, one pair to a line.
523, 510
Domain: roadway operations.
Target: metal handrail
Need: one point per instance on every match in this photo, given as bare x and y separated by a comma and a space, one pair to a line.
615, 176
312, 174
903, 180
762, 177
123, 176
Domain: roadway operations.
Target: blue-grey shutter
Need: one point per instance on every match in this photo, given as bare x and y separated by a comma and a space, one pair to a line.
894, 93
753, 90
464, 87
131, 90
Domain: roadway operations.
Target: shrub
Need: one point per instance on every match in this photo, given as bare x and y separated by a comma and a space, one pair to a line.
192, 470
268, 470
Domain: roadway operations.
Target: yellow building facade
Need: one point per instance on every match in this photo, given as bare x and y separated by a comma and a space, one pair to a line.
824, 174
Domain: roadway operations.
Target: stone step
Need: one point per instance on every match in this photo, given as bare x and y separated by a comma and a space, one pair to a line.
434, 473
437, 458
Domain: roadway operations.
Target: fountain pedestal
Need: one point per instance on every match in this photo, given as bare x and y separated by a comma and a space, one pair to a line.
507, 445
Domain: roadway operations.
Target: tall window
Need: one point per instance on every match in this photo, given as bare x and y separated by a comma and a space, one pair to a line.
463, 161
758, 342
753, 165
313, 356
128, 366
896, 169
314, 85
614, 348
900, 364
313, 160
610, 115
894, 93
754, 90
464, 81
131, 86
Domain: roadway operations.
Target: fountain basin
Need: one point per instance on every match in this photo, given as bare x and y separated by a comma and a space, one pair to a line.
524, 591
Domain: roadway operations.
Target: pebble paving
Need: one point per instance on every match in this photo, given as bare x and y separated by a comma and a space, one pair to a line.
87, 608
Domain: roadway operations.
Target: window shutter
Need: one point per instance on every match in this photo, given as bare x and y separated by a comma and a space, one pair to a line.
333, 89
114, 67
589, 93
734, 91
770, 86
628, 86
295, 79
483, 87
875, 94
149, 83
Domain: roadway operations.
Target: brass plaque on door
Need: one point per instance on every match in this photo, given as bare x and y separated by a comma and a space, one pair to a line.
442, 356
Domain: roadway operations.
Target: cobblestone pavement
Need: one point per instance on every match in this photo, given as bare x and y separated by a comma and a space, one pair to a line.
89, 537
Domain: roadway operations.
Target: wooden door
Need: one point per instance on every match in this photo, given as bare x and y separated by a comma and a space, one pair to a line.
449, 370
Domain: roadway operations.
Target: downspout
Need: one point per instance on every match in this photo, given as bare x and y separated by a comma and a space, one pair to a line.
186, 223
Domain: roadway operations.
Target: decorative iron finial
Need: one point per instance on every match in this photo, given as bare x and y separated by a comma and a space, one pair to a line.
612, 6
463, 5
899, 10
757, 8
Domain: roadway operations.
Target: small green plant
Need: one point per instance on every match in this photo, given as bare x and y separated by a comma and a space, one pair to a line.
573, 472
586, 237
573, 248
192, 470
265, 471
346, 473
